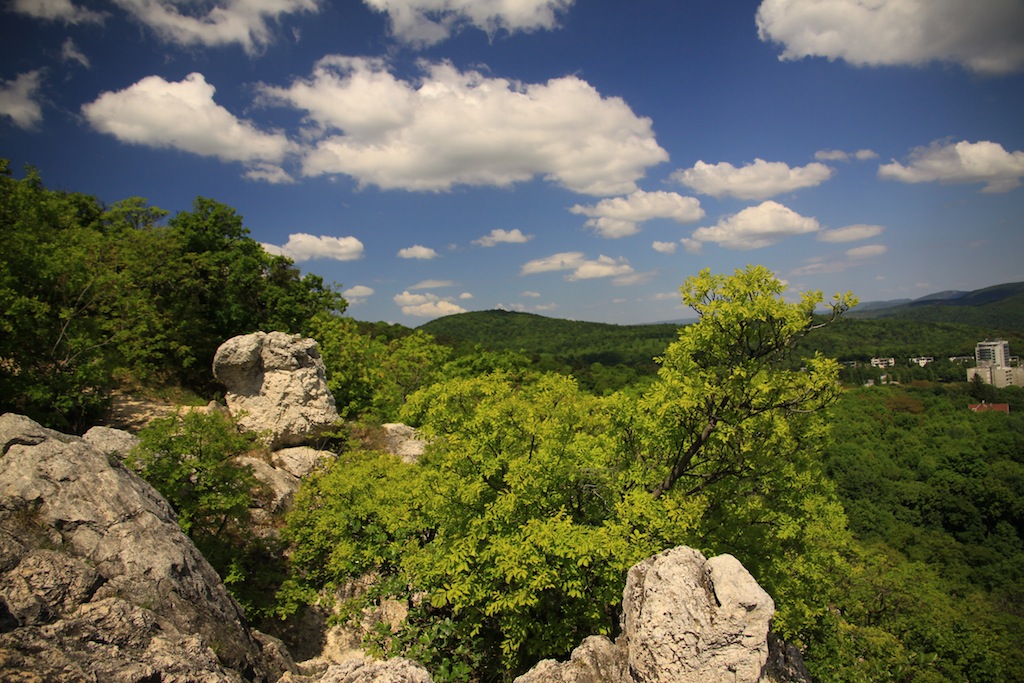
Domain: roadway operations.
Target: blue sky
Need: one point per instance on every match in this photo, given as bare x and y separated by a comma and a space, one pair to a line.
573, 159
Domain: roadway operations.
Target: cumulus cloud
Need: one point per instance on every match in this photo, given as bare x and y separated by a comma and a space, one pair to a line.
620, 216
433, 284
57, 10
759, 180
268, 173
183, 115
302, 246
417, 251
426, 305
69, 52
530, 295
464, 128
358, 294
582, 268
985, 36
961, 162
220, 22
754, 228
850, 233
18, 99
840, 155
664, 247
499, 236
427, 22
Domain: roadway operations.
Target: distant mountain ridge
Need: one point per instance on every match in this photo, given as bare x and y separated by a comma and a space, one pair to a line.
999, 307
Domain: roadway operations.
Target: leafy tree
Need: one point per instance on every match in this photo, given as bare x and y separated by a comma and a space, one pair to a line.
534, 498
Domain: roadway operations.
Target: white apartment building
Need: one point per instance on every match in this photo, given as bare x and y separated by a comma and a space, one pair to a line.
992, 353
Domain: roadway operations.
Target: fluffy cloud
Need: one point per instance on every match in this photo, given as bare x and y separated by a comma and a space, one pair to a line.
183, 115
664, 247
464, 128
753, 228
221, 22
983, 35
759, 180
302, 246
961, 162
840, 155
426, 305
18, 100
582, 268
417, 251
499, 236
426, 22
57, 10
850, 233
358, 294
621, 216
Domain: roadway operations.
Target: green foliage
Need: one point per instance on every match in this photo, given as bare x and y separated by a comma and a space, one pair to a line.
89, 293
370, 377
191, 460
516, 528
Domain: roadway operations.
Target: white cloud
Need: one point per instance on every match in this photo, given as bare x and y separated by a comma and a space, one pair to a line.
840, 155
499, 236
465, 296
850, 233
358, 294
753, 228
664, 247
57, 10
759, 180
530, 295
620, 216
961, 162
867, 251
433, 284
417, 251
984, 36
426, 305
182, 115
18, 99
464, 128
427, 22
268, 173
581, 267
302, 246
220, 22
69, 52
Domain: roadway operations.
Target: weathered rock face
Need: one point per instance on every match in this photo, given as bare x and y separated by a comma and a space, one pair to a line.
690, 619
684, 618
276, 385
98, 581
403, 441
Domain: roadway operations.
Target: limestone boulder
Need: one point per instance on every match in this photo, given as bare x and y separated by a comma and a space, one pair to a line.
276, 386
98, 581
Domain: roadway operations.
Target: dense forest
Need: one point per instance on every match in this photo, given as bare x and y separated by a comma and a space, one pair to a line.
887, 522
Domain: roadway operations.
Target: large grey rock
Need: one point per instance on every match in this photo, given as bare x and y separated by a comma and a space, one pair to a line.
403, 441
299, 461
98, 581
366, 670
276, 386
688, 619
684, 619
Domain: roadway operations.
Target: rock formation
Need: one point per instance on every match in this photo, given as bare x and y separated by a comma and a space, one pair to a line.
276, 386
684, 619
97, 581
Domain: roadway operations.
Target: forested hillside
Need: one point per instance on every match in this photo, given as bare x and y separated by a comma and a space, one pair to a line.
886, 522
998, 308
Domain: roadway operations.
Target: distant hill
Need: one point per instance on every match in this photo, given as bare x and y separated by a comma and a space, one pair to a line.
574, 342
1000, 307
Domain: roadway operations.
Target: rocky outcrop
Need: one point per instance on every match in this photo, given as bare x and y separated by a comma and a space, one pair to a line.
684, 619
98, 581
403, 441
276, 386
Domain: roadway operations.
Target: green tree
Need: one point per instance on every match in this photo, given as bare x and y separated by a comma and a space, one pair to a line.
534, 497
